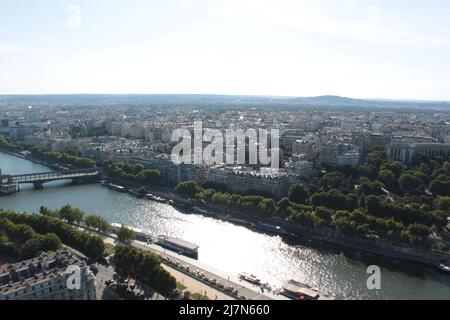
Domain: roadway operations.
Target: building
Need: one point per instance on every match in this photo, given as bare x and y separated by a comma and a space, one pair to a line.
171, 172
247, 181
351, 158
289, 137
298, 166
46, 278
406, 152
32, 115
329, 153
339, 154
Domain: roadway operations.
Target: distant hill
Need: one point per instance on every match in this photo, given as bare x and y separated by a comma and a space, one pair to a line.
218, 101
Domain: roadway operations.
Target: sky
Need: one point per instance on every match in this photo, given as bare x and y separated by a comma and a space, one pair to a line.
356, 48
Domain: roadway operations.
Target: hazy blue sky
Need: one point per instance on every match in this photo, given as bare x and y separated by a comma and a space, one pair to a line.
357, 48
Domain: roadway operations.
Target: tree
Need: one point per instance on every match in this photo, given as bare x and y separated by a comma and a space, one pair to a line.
373, 205
367, 171
164, 282
43, 224
145, 267
205, 194
443, 203
267, 206
47, 212
283, 204
409, 183
188, 189
334, 199
388, 178
21, 233
344, 226
70, 214
438, 172
298, 193
3, 240
375, 159
324, 214
419, 230
96, 222
125, 234
151, 176
31, 248
441, 185
94, 247
440, 218
331, 180
368, 187
395, 166
50, 242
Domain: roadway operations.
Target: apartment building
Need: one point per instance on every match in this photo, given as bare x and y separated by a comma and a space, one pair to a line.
46, 278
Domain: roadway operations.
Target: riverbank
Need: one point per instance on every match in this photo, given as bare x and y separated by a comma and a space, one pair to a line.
195, 275
372, 245
27, 155
234, 248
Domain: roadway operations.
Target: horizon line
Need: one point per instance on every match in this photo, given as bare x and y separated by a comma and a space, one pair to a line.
228, 95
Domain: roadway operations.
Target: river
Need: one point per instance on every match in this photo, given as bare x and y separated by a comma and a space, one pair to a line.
232, 248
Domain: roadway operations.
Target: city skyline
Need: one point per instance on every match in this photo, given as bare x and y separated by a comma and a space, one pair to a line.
360, 49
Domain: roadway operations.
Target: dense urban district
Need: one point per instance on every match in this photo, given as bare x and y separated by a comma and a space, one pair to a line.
373, 178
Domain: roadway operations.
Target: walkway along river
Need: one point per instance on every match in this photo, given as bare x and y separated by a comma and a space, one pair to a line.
235, 249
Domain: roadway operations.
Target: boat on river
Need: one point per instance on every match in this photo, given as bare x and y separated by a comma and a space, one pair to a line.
444, 268
117, 187
299, 291
270, 228
153, 197
250, 278
183, 247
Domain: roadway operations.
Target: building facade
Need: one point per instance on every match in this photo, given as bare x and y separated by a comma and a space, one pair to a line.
246, 181
46, 278
406, 152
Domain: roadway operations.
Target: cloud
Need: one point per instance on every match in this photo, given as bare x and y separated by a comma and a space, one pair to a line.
6, 48
345, 19
73, 21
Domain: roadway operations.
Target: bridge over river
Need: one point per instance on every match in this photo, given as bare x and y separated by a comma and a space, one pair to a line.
10, 183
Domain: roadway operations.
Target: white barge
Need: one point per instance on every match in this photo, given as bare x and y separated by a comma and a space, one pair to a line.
180, 246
